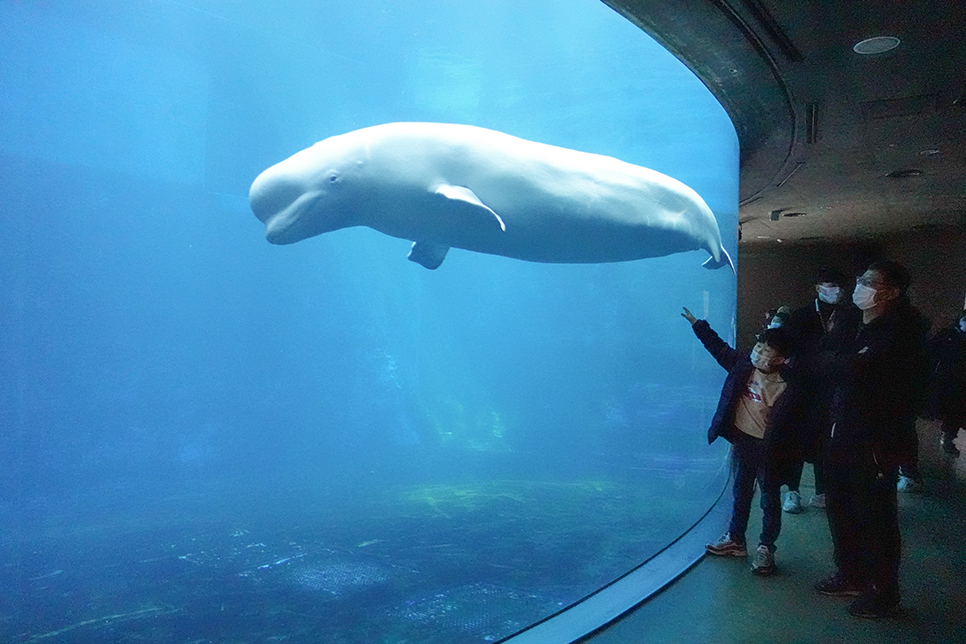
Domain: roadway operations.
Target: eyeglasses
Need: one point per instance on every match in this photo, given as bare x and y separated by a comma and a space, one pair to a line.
866, 281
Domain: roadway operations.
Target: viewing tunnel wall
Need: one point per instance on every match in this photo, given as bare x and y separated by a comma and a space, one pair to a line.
213, 437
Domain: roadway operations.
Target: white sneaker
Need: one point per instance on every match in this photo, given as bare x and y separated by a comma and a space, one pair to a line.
764, 562
908, 485
793, 503
817, 501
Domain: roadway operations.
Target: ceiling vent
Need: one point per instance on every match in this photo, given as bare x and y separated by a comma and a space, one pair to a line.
778, 214
909, 106
811, 122
778, 35
904, 173
929, 228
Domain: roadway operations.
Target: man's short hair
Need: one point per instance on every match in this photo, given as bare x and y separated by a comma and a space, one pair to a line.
832, 275
777, 339
895, 274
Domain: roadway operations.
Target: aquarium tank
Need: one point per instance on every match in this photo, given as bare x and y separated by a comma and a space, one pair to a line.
211, 438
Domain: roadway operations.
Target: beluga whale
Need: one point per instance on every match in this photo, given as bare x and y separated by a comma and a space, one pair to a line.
445, 186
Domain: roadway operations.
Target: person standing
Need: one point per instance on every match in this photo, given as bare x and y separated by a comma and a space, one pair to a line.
947, 382
831, 314
875, 394
758, 413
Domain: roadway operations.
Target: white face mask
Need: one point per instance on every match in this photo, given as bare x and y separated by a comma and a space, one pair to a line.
962, 325
864, 296
763, 363
829, 294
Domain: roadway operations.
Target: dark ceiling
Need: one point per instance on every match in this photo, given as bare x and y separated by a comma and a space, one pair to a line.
835, 145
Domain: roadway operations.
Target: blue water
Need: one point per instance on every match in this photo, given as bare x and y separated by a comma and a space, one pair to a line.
210, 438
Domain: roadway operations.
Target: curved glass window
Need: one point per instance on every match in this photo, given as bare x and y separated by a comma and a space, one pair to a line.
212, 438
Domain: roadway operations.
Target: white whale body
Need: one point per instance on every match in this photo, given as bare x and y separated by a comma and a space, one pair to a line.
444, 185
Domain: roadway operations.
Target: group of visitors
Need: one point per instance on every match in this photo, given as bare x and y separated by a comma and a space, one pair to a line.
838, 383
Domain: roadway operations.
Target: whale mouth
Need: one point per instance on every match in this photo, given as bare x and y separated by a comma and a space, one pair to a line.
278, 230
289, 224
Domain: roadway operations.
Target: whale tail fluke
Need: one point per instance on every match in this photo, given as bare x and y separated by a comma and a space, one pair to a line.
723, 260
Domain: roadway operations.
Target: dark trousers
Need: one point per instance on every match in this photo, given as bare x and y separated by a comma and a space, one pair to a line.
864, 523
750, 464
795, 476
909, 463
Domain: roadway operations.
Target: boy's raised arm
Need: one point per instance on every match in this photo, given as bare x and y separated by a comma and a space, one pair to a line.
726, 356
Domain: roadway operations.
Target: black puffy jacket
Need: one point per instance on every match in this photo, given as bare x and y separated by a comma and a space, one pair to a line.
879, 377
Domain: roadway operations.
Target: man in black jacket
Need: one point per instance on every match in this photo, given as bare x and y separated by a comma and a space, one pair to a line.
876, 389
831, 313
758, 413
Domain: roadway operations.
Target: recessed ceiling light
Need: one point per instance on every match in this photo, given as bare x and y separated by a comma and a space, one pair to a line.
877, 45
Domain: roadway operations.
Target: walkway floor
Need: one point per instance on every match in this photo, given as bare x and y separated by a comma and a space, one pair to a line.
720, 601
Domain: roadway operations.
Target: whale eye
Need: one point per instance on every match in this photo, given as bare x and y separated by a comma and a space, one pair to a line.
333, 177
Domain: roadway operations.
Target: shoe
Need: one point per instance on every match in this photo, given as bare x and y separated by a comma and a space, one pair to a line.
909, 485
949, 447
874, 604
817, 501
727, 547
764, 562
838, 586
793, 503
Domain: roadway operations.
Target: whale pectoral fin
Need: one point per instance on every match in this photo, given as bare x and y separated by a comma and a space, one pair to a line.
428, 254
724, 260
467, 196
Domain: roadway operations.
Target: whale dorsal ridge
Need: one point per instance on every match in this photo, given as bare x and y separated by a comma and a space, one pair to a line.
466, 196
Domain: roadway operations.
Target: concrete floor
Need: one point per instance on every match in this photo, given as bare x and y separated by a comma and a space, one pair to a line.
720, 601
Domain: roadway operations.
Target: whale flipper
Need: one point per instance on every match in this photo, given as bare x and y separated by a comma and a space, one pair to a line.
431, 255
427, 254
467, 196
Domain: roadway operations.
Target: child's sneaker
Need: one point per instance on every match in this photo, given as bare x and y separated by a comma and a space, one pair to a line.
727, 547
764, 562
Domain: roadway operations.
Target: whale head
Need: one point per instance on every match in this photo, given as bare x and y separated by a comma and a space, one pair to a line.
310, 193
